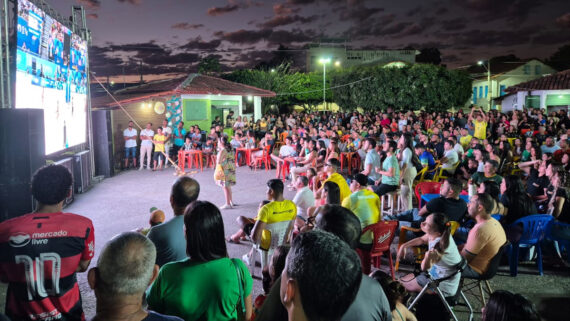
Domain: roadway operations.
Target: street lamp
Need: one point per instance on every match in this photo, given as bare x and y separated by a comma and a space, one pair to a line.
324, 62
488, 68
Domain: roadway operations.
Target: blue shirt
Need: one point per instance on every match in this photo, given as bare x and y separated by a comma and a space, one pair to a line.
179, 141
426, 158
169, 240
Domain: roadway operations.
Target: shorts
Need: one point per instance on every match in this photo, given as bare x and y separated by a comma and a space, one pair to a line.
422, 279
158, 156
132, 151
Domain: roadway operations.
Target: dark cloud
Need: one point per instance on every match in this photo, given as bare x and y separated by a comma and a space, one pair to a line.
487, 38
293, 36
357, 13
427, 44
300, 2
414, 11
564, 20
373, 28
91, 4
395, 29
199, 44
186, 26
233, 5
454, 24
244, 36
551, 38
135, 2
282, 9
441, 11
514, 11
450, 58
286, 20
92, 16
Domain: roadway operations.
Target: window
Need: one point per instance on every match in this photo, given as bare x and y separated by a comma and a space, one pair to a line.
475, 95
503, 89
538, 70
526, 69
480, 91
486, 91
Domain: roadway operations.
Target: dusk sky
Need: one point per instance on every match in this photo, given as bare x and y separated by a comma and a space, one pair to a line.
171, 36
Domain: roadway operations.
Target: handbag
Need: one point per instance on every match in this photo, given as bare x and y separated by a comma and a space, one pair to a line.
240, 305
219, 173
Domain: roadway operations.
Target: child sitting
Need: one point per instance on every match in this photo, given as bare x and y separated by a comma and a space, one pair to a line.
156, 217
188, 144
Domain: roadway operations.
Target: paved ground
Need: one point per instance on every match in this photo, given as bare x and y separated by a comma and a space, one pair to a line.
122, 203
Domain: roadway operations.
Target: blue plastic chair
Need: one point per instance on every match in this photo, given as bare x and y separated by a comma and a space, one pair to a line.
498, 217
534, 228
559, 233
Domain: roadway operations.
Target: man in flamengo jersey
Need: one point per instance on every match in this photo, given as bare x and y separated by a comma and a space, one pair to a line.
40, 253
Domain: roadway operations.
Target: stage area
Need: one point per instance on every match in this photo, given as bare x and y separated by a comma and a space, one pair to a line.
122, 203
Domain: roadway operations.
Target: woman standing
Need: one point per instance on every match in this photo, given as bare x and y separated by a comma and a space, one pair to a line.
408, 170
207, 285
226, 159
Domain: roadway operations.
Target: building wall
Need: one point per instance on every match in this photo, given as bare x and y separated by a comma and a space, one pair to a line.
532, 70
350, 58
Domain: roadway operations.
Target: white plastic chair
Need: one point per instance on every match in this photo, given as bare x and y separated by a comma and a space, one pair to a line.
279, 233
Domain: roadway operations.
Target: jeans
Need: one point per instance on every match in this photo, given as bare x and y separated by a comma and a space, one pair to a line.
410, 216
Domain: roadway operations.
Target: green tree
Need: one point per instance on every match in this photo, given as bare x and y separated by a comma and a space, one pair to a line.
209, 65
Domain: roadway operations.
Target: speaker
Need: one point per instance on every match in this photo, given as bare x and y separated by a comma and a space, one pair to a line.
102, 148
81, 171
22, 152
68, 163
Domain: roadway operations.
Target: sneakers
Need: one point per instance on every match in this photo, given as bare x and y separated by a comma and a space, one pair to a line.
226, 206
233, 204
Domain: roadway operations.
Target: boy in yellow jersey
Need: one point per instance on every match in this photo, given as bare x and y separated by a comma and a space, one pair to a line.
480, 123
159, 139
331, 168
365, 204
278, 210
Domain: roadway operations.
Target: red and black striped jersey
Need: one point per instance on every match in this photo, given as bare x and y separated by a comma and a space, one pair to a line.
39, 255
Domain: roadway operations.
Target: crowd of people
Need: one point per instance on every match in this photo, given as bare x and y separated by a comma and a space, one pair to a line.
513, 165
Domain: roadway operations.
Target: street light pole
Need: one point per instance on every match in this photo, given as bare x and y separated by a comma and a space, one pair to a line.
489, 85
324, 62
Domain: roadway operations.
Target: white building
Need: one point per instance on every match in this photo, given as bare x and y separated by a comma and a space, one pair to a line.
551, 93
342, 56
504, 75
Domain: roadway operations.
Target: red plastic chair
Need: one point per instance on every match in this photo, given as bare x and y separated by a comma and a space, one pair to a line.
265, 158
384, 233
426, 188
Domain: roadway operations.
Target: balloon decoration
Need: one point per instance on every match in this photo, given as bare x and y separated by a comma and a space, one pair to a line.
159, 107
173, 111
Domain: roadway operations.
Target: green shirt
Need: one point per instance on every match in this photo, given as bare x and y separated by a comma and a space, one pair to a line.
199, 291
480, 177
391, 162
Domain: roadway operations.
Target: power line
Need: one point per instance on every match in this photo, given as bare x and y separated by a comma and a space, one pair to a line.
320, 90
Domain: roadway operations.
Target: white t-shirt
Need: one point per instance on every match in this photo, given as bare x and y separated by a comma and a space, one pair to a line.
286, 151
452, 158
406, 158
130, 133
446, 266
304, 199
402, 124
459, 149
149, 133
167, 131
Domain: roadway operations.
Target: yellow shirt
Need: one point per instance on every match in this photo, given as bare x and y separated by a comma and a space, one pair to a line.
365, 204
275, 212
465, 141
342, 184
480, 129
159, 142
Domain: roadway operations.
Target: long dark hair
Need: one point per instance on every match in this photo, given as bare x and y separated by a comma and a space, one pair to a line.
442, 225
226, 142
505, 306
409, 143
519, 204
492, 189
394, 290
205, 237
333, 192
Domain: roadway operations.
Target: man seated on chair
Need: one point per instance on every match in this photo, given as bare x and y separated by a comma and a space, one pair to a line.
287, 150
278, 210
365, 204
484, 239
489, 174
331, 168
448, 203
304, 198
370, 302
449, 159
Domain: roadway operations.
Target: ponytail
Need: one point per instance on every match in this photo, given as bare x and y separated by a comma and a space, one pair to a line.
443, 226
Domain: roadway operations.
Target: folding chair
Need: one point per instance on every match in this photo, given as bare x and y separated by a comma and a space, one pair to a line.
448, 302
279, 235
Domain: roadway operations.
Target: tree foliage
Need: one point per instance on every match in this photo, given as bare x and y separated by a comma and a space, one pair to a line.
419, 86
209, 65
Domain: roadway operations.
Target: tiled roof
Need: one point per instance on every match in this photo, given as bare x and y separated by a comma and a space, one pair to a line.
194, 84
557, 81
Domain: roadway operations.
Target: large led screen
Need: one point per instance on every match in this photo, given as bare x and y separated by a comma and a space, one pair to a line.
50, 75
